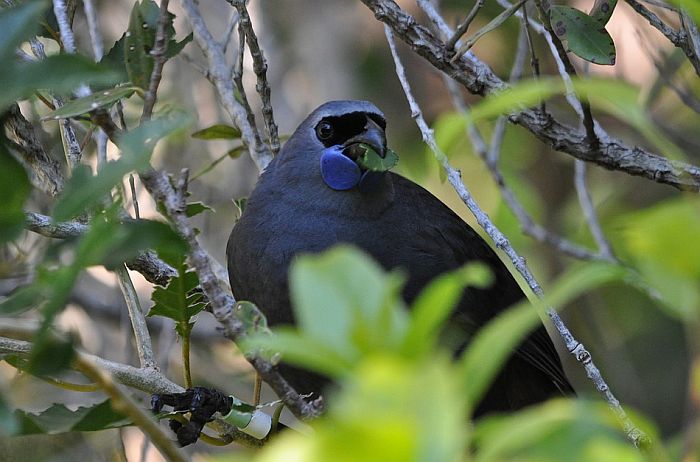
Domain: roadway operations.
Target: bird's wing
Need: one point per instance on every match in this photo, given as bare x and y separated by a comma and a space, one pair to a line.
446, 237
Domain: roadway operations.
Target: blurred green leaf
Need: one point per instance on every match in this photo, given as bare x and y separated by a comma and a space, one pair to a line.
17, 24
91, 102
585, 36
388, 411
218, 132
9, 425
23, 299
59, 419
497, 340
110, 243
14, 189
571, 430
617, 98
435, 304
59, 73
662, 242
51, 355
344, 299
84, 190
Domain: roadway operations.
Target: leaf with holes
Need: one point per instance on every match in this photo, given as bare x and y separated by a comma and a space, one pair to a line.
585, 36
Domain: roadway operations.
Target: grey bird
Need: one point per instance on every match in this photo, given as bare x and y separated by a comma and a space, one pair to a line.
313, 195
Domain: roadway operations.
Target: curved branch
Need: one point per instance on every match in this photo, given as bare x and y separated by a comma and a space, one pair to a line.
479, 79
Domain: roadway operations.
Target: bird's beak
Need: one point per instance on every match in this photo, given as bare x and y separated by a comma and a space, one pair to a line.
373, 135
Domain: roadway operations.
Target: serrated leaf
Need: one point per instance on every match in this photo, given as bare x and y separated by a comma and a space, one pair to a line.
585, 37
178, 300
372, 161
602, 11
59, 419
195, 208
89, 103
218, 132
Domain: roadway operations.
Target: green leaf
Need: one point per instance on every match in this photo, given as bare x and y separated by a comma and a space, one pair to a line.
59, 419
14, 190
59, 73
110, 243
195, 208
139, 40
178, 300
571, 430
89, 103
218, 132
84, 190
17, 24
372, 161
585, 36
661, 242
51, 355
494, 343
602, 11
344, 299
435, 303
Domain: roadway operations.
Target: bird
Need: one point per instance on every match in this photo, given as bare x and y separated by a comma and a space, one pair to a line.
316, 194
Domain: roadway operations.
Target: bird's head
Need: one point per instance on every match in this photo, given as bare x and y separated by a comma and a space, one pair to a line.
340, 135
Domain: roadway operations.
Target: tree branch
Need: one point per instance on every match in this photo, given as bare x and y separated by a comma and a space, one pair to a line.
220, 76
502, 242
479, 79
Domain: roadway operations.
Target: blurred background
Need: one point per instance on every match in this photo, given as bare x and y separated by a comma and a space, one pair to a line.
335, 49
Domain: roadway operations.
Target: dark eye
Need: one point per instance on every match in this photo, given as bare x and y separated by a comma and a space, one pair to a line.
324, 130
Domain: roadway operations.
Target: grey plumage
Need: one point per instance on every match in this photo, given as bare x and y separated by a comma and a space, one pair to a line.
292, 211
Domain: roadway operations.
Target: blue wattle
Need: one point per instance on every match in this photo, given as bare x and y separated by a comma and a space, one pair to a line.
338, 171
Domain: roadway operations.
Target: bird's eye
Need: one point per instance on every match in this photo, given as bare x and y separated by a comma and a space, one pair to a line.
324, 130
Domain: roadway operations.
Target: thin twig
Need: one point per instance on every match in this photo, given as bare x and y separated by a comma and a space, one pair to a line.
238, 80
94, 29
260, 69
159, 54
60, 10
221, 78
584, 199
501, 242
147, 263
464, 25
138, 319
479, 79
